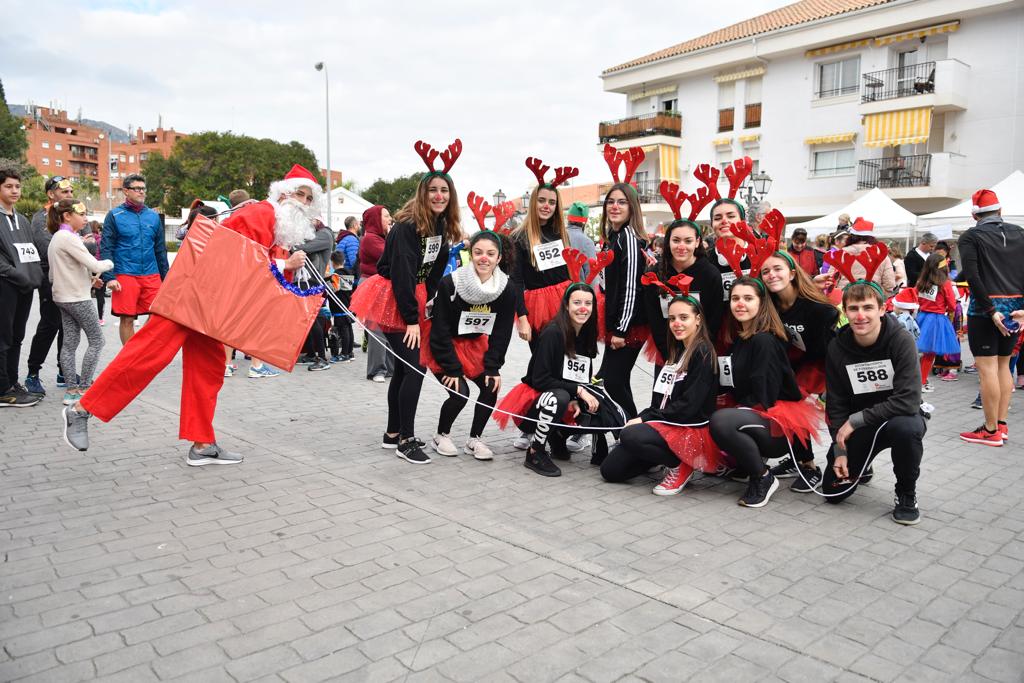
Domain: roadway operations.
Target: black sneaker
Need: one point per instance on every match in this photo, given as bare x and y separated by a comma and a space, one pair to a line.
318, 365
17, 397
305, 359
905, 510
598, 450
807, 483
868, 475
560, 450
34, 385
759, 491
389, 442
537, 460
412, 451
786, 469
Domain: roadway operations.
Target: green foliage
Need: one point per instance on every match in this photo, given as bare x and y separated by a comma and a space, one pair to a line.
173, 246
13, 140
209, 164
392, 194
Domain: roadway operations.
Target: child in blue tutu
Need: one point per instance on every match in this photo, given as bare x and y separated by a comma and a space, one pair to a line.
938, 301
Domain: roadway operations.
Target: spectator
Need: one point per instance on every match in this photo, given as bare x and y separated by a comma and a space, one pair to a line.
340, 338
944, 250
576, 222
347, 243
898, 264
133, 239
100, 293
800, 254
20, 275
762, 210
914, 261
820, 247
318, 254
197, 209
238, 197
376, 223
844, 222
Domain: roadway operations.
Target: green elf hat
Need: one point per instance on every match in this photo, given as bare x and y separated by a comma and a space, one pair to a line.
632, 157
540, 169
429, 155
579, 213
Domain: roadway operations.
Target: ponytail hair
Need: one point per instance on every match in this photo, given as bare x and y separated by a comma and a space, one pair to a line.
55, 214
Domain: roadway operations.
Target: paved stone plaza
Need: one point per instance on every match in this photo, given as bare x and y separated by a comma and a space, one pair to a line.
324, 557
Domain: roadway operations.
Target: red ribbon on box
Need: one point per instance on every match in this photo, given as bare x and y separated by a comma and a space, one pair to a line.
221, 285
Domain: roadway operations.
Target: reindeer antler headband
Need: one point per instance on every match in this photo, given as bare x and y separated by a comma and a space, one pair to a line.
480, 208
675, 198
575, 260
448, 158
632, 157
736, 172
540, 169
871, 258
677, 287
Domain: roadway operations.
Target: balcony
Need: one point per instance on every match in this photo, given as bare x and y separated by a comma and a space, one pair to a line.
665, 123
890, 172
941, 85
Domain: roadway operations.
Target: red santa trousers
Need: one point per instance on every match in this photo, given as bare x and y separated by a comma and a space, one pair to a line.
142, 359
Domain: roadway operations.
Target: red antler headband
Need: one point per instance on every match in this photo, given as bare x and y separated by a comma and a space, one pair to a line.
503, 212
448, 157
871, 258
480, 208
677, 285
758, 248
540, 169
737, 172
575, 260
632, 157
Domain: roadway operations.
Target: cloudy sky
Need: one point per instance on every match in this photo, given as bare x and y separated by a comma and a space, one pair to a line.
511, 79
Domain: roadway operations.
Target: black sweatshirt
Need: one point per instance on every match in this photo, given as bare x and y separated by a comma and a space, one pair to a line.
871, 408
707, 282
812, 326
448, 308
545, 371
526, 276
992, 262
693, 398
761, 372
402, 263
723, 267
622, 303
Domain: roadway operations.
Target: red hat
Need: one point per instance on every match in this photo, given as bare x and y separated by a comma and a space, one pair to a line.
862, 227
984, 201
295, 178
906, 299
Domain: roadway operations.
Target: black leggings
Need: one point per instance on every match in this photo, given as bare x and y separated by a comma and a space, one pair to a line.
747, 437
404, 390
101, 300
316, 341
549, 407
341, 339
902, 435
454, 404
616, 367
640, 448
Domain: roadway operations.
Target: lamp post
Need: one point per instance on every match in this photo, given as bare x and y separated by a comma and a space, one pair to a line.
110, 171
526, 203
498, 197
756, 188
322, 66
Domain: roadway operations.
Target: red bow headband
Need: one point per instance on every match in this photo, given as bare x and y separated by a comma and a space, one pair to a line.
448, 157
539, 168
677, 285
575, 260
871, 258
632, 157
480, 208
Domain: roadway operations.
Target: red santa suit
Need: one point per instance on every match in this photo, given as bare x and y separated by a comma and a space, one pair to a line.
157, 343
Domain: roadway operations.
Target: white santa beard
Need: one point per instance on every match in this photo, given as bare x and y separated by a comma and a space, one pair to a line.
294, 224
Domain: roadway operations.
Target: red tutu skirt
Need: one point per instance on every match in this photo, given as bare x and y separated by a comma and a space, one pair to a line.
811, 377
542, 304
373, 303
599, 307
796, 420
518, 402
652, 353
469, 350
635, 338
692, 445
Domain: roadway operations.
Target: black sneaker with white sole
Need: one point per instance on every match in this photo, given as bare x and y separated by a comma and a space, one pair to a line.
412, 451
389, 442
537, 460
905, 510
759, 491
807, 483
786, 469
16, 397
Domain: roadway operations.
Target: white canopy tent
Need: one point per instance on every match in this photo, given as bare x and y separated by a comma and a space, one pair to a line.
1010, 191
890, 219
345, 203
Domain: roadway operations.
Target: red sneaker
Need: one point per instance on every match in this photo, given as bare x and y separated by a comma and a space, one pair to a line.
674, 480
983, 436
1004, 431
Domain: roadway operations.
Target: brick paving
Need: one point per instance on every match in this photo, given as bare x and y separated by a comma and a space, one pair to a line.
324, 557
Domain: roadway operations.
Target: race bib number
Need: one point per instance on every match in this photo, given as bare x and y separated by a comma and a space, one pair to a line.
476, 323
549, 255
871, 376
727, 280
931, 294
725, 371
27, 252
666, 380
576, 369
665, 300
432, 249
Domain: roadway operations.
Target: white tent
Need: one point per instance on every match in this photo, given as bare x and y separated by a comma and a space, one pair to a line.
890, 219
1010, 191
344, 203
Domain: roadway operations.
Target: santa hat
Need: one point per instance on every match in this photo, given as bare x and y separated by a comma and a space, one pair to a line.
984, 201
906, 299
295, 178
862, 227
579, 213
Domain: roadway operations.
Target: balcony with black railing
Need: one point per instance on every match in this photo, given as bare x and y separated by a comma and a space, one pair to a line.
656, 123
892, 172
900, 81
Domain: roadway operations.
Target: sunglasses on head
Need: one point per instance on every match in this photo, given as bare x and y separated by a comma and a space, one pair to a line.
59, 182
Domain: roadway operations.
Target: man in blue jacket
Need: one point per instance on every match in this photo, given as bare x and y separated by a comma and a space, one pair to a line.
133, 239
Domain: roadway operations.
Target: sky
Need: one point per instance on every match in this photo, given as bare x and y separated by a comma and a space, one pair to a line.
512, 80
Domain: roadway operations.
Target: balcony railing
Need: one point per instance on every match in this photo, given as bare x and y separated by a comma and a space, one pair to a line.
726, 120
752, 116
901, 81
657, 123
906, 171
649, 190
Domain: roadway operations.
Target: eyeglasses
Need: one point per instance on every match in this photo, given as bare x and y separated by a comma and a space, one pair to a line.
136, 189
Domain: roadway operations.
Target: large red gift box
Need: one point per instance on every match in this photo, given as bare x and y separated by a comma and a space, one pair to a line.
221, 285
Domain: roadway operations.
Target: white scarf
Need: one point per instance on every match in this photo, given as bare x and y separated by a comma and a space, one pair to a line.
472, 291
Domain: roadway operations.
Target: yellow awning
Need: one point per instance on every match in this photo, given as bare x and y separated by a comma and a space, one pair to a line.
817, 52
664, 90
753, 137
721, 142
668, 162
917, 34
829, 139
739, 75
892, 128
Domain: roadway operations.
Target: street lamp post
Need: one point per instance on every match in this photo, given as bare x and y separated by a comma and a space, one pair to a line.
498, 197
110, 171
322, 66
756, 189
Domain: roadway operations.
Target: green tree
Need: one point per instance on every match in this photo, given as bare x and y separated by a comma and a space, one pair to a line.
393, 194
13, 140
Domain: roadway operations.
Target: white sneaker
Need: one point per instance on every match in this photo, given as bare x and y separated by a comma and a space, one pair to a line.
229, 371
577, 442
478, 449
444, 445
521, 442
927, 388
380, 379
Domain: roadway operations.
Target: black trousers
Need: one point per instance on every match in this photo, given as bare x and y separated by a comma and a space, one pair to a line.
340, 339
902, 435
101, 300
640, 448
454, 404
405, 387
747, 437
616, 367
549, 408
49, 327
15, 307
316, 340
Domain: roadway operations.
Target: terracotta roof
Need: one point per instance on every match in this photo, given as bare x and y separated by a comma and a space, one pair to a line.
790, 15
588, 194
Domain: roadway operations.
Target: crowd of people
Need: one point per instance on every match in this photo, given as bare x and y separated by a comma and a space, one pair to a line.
760, 343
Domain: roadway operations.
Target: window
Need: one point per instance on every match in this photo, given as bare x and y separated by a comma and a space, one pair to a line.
834, 162
838, 78
123, 159
752, 110
143, 157
46, 161
58, 147
670, 105
131, 159
46, 145
726, 106
58, 162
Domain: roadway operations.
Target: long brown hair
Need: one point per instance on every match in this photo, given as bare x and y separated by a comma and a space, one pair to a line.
55, 215
585, 342
665, 269
766, 320
531, 229
931, 273
680, 353
805, 287
417, 211
636, 216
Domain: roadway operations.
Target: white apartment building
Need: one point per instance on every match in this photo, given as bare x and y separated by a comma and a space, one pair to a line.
921, 98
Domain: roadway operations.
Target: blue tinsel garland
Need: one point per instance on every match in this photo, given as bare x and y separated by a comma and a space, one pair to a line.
318, 290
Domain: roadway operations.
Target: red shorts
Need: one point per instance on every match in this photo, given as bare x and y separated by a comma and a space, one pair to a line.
136, 295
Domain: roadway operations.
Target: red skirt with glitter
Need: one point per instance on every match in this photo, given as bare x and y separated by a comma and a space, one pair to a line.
519, 401
692, 445
811, 377
373, 303
542, 304
635, 338
469, 350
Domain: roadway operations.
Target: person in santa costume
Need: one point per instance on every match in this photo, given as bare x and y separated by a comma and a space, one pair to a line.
281, 222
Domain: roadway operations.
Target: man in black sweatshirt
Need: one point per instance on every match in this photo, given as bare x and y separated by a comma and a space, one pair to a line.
873, 384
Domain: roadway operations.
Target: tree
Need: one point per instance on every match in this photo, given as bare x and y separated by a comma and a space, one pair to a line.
393, 194
13, 139
209, 164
